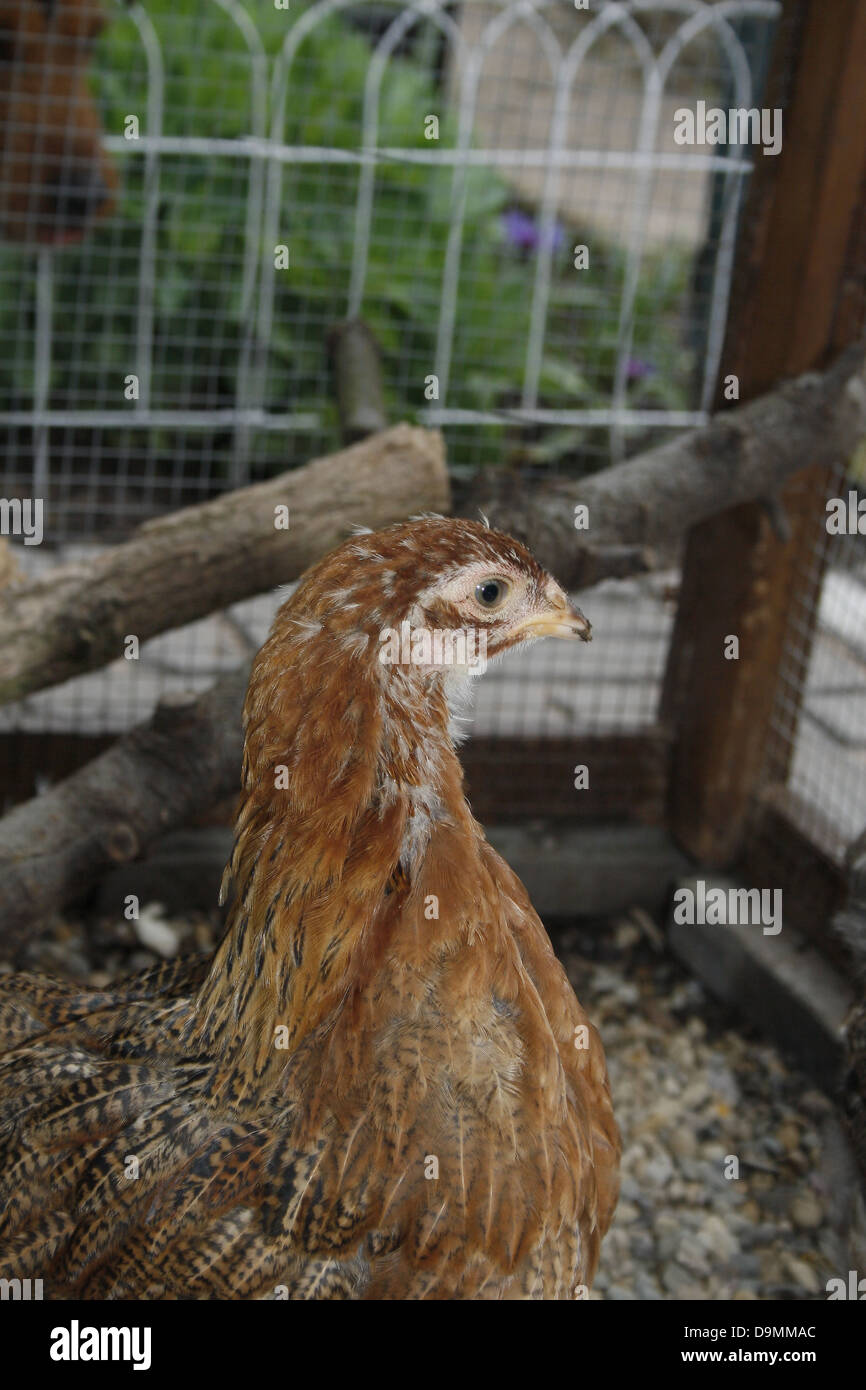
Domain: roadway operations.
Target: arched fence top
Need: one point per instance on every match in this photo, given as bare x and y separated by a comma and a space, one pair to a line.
267, 152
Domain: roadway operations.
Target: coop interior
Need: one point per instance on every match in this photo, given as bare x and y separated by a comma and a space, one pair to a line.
473, 225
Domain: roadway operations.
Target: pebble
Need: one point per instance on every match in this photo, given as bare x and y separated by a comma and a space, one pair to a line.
684, 1144
156, 932
626, 935
804, 1275
689, 1091
788, 1136
659, 1169
691, 1254
806, 1211
642, 1246
717, 1237
626, 1212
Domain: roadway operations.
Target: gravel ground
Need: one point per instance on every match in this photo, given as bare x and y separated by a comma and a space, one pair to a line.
692, 1090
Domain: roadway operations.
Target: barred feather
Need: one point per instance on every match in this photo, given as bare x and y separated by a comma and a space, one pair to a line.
373, 1089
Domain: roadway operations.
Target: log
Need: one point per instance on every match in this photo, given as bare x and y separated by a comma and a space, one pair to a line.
55, 847
744, 454
59, 845
181, 567
356, 359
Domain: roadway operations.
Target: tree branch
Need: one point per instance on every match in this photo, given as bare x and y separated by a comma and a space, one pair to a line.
181, 567
53, 847
56, 846
743, 454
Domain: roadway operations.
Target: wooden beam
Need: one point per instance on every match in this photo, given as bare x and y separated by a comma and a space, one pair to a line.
522, 779
27, 759
591, 870
507, 778
799, 293
569, 871
780, 983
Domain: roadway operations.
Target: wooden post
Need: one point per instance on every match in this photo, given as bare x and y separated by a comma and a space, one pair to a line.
799, 291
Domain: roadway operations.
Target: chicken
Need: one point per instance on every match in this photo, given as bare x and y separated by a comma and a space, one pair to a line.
55, 179
382, 1086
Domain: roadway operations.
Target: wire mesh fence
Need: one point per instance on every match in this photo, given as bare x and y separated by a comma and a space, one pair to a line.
822, 686
439, 169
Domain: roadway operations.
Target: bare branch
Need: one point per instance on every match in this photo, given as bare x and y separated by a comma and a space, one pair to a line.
651, 500
183, 566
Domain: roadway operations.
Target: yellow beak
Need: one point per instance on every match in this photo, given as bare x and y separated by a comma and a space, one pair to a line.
560, 620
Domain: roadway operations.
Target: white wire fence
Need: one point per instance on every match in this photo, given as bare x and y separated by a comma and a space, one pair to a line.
237, 128
249, 178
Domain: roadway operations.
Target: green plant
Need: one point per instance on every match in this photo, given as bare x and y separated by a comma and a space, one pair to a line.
199, 321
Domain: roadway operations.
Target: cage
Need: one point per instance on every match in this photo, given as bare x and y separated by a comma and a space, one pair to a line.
553, 279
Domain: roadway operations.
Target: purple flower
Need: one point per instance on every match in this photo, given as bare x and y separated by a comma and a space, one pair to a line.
637, 369
525, 232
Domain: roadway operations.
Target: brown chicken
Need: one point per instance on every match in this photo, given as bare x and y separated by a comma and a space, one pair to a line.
382, 1085
55, 179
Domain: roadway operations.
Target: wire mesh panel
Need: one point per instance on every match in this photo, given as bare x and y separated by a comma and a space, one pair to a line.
822, 685
495, 187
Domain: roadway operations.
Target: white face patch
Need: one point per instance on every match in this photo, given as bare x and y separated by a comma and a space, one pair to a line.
489, 596
459, 587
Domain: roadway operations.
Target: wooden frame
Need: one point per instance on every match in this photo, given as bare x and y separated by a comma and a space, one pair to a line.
714, 769
799, 295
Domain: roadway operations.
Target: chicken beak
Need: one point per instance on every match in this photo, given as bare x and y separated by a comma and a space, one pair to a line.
562, 619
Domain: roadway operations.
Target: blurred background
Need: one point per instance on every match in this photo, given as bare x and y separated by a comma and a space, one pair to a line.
154, 354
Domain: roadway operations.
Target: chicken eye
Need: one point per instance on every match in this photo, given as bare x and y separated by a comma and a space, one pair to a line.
490, 593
